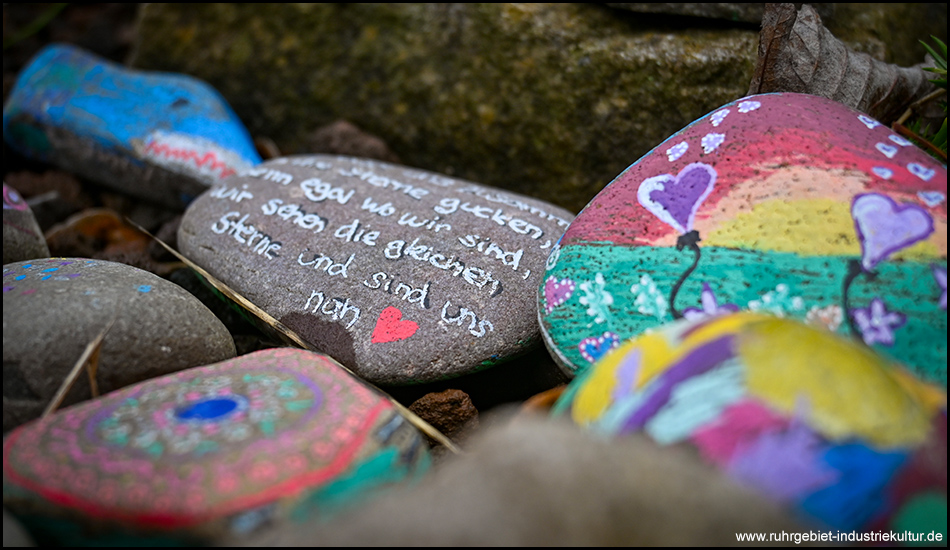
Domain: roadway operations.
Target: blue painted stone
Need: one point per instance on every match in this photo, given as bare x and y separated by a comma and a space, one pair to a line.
158, 136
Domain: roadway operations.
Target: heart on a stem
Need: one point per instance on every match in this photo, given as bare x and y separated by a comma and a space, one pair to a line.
675, 199
391, 327
885, 227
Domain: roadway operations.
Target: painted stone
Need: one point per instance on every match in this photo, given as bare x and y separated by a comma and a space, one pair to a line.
159, 136
53, 308
782, 203
224, 449
403, 275
813, 420
22, 237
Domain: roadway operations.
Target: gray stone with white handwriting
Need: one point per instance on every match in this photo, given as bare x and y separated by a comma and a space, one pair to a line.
404, 275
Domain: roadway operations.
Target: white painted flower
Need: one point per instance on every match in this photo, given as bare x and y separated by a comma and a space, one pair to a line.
717, 117
778, 302
869, 122
648, 298
900, 140
749, 106
596, 298
711, 142
884, 173
828, 318
677, 151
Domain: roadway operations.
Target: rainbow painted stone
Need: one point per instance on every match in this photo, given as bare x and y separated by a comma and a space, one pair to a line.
813, 420
783, 203
159, 136
221, 450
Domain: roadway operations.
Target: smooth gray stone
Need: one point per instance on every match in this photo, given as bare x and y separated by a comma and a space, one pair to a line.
534, 481
53, 308
22, 237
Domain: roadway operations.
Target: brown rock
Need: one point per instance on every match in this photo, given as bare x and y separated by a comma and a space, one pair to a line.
451, 411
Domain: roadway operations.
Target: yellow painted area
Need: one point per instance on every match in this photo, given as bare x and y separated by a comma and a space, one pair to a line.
813, 227
595, 396
844, 389
718, 327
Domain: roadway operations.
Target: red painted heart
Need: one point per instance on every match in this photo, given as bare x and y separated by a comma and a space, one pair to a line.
391, 327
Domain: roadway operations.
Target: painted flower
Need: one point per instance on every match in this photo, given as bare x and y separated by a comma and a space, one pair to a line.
649, 300
778, 302
710, 304
719, 116
876, 323
940, 274
869, 122
677, 151
596, 298
748, 106
829, 317
931, 198
882, 172
711, 142
900, 140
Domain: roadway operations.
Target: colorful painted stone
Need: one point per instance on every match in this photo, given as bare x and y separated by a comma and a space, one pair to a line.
276, 435
53, 308
403, 275
814, 420
783, 203
22, 237
159, 136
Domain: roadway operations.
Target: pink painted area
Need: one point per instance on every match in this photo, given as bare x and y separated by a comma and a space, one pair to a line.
788, 130
739, 425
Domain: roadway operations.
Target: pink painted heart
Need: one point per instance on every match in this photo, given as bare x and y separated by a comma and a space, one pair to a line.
391, 327
556, 292
675, 199
593, 349
884, 227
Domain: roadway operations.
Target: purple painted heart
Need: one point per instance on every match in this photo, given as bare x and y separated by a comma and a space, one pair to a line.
884, 227
556, 292
675, 199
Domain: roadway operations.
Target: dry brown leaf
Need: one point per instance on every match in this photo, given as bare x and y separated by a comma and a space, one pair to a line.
798, 54
285, 334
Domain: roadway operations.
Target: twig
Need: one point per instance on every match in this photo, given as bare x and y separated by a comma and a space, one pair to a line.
295, 339
90, 354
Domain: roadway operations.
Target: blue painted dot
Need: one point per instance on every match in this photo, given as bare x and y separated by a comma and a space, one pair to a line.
19, 277
145, 288
46, 277
27, 266
209, 409
50, 269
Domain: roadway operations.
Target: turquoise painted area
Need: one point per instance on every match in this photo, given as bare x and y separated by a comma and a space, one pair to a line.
385, 467
68, 88
744, 278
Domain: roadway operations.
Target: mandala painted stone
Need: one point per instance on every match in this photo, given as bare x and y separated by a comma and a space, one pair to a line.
158, 136
277, 435
783, 203
814, 420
